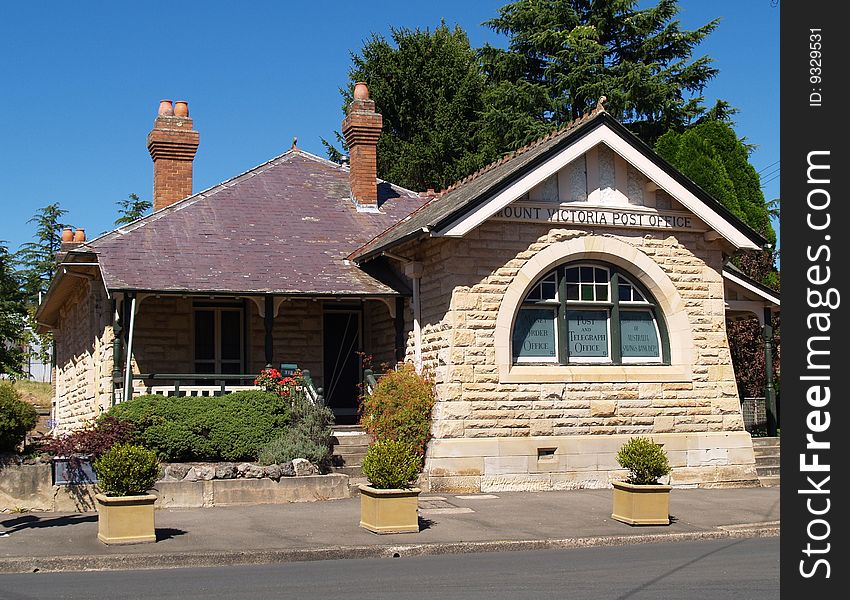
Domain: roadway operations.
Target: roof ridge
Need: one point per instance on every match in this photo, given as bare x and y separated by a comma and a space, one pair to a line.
523, 149
489, 167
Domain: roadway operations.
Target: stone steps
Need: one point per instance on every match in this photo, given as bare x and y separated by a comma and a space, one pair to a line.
350, 446
767, 455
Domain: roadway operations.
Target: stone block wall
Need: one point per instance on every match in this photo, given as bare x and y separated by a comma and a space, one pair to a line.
83, 375
470, 284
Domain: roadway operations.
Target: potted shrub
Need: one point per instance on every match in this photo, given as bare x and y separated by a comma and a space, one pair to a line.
642, 499
125, 510
389, 502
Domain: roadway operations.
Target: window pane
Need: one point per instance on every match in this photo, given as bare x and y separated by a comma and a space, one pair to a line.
204, 334
549, 290
638, 334
572, 291
601, 275
625, 292
231, 339
572, 275
587, 293
534, 334
602, 292
586, 274
588, 332
230, 368
204, 367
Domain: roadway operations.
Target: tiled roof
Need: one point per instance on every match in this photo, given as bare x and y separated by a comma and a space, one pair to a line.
284, 227
471, 188
470, 192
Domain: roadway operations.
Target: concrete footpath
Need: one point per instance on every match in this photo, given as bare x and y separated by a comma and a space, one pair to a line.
449, 524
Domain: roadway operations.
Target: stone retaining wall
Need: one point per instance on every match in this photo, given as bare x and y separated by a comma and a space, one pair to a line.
28, 487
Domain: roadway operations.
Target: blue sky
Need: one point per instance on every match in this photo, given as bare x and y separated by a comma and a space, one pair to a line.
80, 83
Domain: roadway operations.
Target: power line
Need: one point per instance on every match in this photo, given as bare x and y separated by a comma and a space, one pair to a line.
768, 166
766, 175
764, 183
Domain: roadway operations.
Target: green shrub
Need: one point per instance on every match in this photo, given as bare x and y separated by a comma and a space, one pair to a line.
126, 470
309, 436
645, 460
391, 464
17, 418
232, 427
399, 408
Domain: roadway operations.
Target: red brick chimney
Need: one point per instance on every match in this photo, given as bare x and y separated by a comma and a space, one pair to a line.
361, 128
172, 143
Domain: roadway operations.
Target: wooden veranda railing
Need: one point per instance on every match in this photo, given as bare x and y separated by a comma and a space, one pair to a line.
186, 384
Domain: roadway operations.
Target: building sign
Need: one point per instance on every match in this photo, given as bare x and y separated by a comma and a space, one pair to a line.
638, 336
534, 334
611, 217
587, 332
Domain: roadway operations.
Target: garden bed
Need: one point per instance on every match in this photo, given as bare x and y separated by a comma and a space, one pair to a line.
27, 486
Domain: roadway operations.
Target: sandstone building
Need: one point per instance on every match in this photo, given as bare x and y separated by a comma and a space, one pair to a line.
567, 297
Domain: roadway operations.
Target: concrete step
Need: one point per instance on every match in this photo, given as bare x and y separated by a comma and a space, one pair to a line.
351, 471
767, 471
769, 481
767, 461
348, 460
766, 441
765, 451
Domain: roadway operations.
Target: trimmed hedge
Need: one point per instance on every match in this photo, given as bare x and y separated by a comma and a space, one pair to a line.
391, 464
127, 470
232, 427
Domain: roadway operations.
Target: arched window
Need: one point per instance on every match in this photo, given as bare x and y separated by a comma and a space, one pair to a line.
589, 313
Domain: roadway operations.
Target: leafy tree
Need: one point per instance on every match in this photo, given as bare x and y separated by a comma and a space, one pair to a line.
13, 315
429, 88
37, 259
711, 154
131, 209
563, 55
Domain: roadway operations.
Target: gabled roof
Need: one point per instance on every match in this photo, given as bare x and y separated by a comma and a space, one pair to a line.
755, 288
283, 227
474, 199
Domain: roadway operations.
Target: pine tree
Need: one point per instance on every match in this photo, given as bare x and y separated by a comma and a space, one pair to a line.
37, 259
563, 55
131, 209
429, 89
13, 315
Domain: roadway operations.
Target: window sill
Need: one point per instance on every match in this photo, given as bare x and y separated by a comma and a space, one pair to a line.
595, 373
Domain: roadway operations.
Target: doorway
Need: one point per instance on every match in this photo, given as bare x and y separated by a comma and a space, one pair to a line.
342, 341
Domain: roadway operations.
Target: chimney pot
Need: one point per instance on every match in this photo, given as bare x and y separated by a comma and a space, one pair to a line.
165, 108
181, 108
361, 91
80, 235
67, 235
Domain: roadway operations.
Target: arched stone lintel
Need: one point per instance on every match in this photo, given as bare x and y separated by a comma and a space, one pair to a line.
636, 264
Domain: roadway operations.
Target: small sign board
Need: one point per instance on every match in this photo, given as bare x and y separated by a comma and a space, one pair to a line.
534, 334
587, 332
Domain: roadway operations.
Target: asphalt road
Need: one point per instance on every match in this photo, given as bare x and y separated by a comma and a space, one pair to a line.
746, 569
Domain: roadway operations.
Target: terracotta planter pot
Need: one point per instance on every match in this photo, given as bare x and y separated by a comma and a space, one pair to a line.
641, 504
125, 519
389, 511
